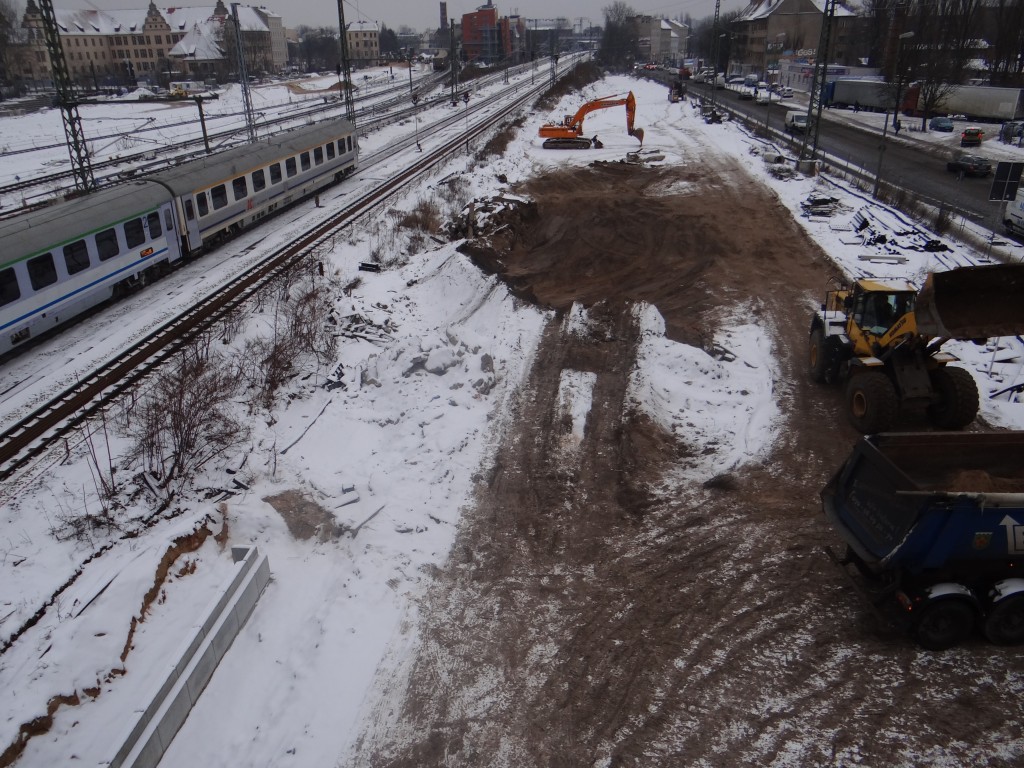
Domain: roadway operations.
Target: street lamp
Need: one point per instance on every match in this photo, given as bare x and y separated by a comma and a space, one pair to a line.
899, 76
896, 112
768, 106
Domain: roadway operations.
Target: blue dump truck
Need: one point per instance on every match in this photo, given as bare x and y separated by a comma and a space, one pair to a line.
934, 524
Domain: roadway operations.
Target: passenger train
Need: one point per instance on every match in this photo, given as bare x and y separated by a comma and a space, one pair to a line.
60, 261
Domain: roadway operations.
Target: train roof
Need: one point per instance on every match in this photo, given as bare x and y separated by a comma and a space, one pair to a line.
213, 169
63, 222
54, 225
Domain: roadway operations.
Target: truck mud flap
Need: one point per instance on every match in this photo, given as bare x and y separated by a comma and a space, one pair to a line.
972, 302
884, 624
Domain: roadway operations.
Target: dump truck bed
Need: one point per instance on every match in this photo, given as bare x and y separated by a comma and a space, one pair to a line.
920, 500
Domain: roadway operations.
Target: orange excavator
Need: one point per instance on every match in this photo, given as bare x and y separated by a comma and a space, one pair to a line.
569, 133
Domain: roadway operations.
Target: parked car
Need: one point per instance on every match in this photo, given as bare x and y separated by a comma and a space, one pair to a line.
785, 92
735, 80
970, 165
943, 124
745, 93
971, 137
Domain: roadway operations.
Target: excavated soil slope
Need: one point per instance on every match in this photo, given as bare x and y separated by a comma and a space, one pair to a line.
593, 615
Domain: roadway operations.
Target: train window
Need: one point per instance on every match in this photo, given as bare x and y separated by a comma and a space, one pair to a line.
42, 271
275, 173
240, 187
289, 166
204, 207
168, 221
259, 180
341, 146
219, 195
304, 161
76, 257
9, 290
134, 235
318, 156
106, 244
190, 211
153, 222
348, 140
330, 150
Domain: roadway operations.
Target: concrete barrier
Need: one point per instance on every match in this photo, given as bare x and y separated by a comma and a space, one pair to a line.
151, 734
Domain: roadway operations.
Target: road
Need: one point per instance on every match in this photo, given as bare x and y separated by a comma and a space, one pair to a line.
921, 172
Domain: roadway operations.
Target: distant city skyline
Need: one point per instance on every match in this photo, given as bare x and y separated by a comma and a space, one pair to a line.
425, 14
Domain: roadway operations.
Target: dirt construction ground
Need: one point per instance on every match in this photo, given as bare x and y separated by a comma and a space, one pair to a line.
594, 612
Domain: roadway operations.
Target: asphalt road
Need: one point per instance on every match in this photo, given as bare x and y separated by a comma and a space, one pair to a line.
921, 172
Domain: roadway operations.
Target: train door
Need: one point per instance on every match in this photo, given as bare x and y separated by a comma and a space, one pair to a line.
171, 227
191, 240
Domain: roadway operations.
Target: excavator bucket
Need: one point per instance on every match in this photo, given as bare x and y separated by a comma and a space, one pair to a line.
972, 302
638, 133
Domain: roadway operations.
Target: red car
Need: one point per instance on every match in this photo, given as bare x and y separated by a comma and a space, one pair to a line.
971, 137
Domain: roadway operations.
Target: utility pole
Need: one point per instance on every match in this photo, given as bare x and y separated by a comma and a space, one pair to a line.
345, 66
81, 166
243, 77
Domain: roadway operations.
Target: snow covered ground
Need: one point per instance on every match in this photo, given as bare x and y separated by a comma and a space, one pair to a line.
389, 461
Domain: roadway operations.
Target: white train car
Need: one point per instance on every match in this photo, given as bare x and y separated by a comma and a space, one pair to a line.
60, 261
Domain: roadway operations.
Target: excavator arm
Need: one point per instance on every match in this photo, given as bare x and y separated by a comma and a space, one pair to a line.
569, 133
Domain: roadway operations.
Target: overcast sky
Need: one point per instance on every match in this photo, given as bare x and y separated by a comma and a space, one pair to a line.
425, 14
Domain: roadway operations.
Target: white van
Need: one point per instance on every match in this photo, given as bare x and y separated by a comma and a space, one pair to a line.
796, 122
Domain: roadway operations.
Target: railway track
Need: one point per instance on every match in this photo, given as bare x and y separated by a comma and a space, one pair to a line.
47, 427
378, 107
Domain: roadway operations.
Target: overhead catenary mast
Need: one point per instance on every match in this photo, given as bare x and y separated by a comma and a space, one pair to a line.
809, 148
81, 166
243, 76
344, 65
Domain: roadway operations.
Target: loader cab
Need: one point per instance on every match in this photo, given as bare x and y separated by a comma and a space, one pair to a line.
876, 312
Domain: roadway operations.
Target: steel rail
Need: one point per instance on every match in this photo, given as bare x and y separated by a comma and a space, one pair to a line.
36, 433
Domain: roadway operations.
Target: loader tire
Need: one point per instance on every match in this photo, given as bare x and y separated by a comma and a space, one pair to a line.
871, 403
817, 357
944, 623
957, 394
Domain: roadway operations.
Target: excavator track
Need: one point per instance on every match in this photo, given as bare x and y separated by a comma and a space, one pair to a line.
567, 144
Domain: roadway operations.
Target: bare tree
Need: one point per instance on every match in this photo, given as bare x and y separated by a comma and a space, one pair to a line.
1004, 29
184, 421
10, 27
619, 43
938, 54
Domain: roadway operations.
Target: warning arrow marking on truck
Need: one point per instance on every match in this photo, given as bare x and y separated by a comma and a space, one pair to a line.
1014, 536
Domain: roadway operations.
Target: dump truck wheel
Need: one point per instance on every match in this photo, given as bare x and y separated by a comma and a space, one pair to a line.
817, 356
871, 403
944, 624
1004, 624
957, 394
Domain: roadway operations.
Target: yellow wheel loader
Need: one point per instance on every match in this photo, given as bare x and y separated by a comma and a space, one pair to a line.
882, 340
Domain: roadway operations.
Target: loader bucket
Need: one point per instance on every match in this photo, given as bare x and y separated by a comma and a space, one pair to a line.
972, 302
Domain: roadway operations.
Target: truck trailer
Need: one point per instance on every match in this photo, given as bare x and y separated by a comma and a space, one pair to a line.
977, 102
934, 525
1013, 218
869, 95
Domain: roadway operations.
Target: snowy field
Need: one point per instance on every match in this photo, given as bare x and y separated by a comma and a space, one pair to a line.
389, 460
